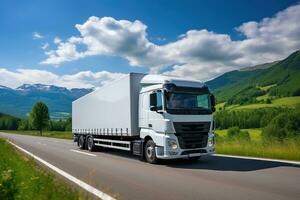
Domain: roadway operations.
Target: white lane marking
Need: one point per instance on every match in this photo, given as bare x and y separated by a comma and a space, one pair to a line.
89, 154
257, 158
82, 184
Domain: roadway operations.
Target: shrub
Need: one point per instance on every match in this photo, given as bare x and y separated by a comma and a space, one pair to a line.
244, 135
274, 131
237, 134
8, 186
24, 125
283, 126
233, 132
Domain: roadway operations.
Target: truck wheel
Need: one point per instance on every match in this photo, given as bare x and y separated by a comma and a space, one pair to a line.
81, 142
90, 143
150, 153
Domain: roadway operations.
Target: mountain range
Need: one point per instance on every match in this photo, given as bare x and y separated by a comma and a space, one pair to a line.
281, 78
18, 102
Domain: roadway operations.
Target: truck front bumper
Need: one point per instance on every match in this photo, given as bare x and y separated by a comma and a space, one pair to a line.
166, 152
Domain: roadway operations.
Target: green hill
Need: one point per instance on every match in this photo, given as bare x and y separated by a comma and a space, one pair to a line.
271, 80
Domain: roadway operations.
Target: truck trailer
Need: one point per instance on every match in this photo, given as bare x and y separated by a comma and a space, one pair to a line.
153, 116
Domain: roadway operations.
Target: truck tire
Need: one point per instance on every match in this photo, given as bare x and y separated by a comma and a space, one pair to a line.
150, 153
90, 143
81, 142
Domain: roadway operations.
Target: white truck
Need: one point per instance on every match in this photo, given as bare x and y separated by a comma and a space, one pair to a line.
153, 116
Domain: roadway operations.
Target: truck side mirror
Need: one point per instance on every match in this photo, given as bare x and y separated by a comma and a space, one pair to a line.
213, 102
153, 102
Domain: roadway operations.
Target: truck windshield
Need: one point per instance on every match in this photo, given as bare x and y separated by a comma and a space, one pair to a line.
187, 103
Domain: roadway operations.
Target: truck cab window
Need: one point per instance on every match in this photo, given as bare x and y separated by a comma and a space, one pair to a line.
159, 100
203, 101
156, 100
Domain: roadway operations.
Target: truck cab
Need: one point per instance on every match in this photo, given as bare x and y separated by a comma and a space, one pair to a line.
175, 118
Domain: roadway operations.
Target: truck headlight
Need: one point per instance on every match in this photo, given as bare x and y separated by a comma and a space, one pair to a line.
211, 141
172, 144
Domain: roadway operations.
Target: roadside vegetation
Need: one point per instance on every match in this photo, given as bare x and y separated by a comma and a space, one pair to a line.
38, 124
22, 178
279, 138
287, 149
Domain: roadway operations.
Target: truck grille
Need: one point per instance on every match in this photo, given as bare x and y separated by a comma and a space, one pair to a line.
192, 134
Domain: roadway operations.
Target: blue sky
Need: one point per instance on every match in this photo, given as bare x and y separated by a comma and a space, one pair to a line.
197, 39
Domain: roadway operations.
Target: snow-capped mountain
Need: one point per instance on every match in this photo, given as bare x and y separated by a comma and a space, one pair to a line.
19, 101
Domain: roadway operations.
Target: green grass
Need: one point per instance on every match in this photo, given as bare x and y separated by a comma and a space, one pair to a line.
21, 178
255, 134
263, 97
266, 88
288, 149
287, 101
54, 134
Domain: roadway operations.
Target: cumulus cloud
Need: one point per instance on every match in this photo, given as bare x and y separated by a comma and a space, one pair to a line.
83, 79
37, 35
201, 54
57, 40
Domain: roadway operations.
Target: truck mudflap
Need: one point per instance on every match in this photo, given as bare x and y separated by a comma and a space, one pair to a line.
138, 147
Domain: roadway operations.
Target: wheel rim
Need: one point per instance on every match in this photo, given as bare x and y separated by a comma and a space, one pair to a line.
150, 152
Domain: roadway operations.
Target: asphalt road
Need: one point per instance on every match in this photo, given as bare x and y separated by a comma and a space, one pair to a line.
122, 175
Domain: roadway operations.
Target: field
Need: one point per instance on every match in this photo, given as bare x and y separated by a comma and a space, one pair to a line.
54, 134
290, 102
288, 149
22, 178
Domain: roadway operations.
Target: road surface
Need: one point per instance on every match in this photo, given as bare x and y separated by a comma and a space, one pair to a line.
124, 176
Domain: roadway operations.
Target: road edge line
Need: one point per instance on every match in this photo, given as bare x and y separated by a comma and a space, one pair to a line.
258, 158
84, 153
80, 183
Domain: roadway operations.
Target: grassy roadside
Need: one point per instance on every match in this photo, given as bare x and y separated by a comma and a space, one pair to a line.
54, 134
288, 149
22, 178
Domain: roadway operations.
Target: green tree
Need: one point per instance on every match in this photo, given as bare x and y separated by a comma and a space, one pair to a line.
39, 116
24, 124
68, 126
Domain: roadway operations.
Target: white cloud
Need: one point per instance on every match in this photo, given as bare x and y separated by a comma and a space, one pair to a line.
37, 35
66, 51
201, 54
57, 40
83, 79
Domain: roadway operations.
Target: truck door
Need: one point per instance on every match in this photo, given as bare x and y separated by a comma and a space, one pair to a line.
155, 114
143, 110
